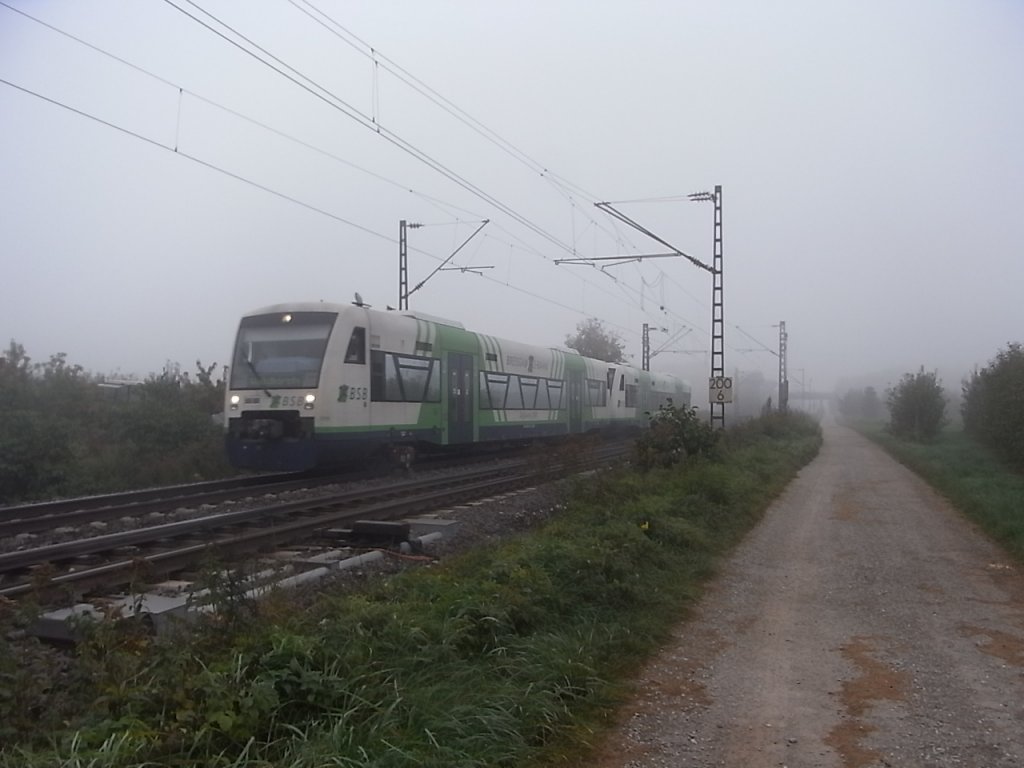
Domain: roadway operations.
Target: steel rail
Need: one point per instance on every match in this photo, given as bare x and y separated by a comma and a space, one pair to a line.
81, 516
60, 506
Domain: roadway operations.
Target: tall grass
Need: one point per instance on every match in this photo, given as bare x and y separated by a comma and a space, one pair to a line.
971, 476
501, 657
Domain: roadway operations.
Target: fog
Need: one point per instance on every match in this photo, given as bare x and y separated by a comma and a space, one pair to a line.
870, 157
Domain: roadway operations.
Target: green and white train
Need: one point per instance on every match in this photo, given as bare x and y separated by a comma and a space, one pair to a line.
315, 385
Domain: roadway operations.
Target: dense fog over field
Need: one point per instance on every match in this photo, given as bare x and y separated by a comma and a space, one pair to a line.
170, 165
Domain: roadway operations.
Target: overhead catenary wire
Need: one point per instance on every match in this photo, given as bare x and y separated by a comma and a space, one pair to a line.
626, 290
269, 190
345, 108
563, 186
437, 202
333, 100
376, 57
235, 113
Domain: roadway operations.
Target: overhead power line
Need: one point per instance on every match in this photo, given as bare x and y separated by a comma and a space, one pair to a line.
379, 59
443, 205
336, 102
213, 167
332, 99
559, 182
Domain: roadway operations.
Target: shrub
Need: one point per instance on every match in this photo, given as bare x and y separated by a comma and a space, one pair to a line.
917, 407
993, 405
674, 434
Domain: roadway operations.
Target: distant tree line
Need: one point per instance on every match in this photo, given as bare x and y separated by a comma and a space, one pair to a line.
861, 405
993, 405
66, 432
916, 406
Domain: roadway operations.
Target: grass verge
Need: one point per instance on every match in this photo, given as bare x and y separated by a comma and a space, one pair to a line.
507, 656
971, 476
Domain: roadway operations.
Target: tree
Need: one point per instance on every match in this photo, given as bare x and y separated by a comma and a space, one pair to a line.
592, 340
917, 407
993, 404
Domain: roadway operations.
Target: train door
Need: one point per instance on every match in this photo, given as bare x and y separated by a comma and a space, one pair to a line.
575, 402
460, 398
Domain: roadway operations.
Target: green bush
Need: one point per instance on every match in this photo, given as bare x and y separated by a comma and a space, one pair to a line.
64, 434
917, 407
674, 434
993, 405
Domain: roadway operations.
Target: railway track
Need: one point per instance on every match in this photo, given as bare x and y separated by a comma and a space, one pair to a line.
158, 551
78, 512
42, 516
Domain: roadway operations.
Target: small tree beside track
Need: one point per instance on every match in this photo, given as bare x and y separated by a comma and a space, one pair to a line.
674, 434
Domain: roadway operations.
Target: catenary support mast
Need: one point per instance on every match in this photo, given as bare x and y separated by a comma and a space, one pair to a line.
717, 311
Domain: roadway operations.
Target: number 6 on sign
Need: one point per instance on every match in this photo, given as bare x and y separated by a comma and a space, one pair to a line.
720, 389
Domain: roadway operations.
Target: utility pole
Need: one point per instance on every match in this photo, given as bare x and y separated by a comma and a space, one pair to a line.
403, 264
646, 355
718, 312
783, 374
721, 387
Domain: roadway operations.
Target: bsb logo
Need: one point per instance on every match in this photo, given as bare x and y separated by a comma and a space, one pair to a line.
347, 394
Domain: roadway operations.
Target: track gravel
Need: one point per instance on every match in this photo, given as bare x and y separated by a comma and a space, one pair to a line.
863, 623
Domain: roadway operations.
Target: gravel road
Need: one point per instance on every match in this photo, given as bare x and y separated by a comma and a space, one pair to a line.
864, 622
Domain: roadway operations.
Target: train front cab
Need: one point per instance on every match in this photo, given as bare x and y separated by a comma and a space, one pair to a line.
273, 390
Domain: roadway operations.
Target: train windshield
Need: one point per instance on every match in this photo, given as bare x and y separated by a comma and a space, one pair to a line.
283, 350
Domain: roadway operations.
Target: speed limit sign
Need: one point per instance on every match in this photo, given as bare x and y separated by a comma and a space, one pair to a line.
720, 389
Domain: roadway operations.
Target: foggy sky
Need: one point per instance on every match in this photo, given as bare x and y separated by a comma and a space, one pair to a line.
870, 155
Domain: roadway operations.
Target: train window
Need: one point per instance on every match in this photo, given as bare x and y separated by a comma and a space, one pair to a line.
404, 378
493, 389
485, 395
529, 387
356, 352
504, 391
273, 352
543, 400
595, 392
632, 391
555, 394
514, 400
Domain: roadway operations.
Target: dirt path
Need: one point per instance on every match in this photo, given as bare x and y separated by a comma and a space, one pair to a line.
862, 623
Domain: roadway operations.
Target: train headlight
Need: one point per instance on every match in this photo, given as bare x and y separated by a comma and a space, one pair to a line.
310, 400
235, 400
